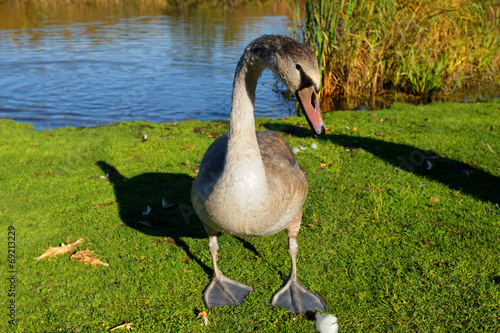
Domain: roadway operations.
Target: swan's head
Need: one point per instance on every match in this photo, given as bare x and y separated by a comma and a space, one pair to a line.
296, 66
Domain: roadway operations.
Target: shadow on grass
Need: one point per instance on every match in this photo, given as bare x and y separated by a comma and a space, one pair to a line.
176, 220
455, 175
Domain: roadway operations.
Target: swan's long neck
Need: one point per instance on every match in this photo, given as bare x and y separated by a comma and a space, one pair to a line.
242, 121
243, 165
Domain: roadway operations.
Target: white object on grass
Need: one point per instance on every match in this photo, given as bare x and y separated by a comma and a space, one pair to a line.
326, 323
314, 146
295, 150
148, 210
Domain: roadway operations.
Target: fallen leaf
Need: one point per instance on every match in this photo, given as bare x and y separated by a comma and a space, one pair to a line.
86, 257
187, 147
103, 204
126, 325
429, 244
146, 223
434, 199
64, 248
203, 316
310, 225
323, 166
354, 128
380, 134
381, 120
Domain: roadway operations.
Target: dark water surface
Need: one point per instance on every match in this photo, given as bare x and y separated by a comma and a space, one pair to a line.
85, 66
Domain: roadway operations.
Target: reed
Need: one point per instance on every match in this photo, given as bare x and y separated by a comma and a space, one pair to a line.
366, 47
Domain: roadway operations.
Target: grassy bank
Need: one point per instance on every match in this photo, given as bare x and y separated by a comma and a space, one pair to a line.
391, 242
419, 47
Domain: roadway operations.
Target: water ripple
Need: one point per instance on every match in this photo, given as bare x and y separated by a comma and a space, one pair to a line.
160, 69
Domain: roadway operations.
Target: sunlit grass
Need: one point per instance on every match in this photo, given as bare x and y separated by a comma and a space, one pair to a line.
391, 243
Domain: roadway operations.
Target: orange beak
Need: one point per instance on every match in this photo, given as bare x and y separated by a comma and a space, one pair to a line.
309, 102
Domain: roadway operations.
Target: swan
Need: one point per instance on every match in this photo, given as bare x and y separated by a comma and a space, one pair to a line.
249, 183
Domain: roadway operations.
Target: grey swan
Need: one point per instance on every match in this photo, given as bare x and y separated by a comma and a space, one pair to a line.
249, 183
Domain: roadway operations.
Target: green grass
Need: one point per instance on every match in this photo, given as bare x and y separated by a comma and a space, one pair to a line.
384, 256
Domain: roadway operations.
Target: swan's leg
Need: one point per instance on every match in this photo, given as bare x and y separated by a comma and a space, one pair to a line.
293, 296
222, 291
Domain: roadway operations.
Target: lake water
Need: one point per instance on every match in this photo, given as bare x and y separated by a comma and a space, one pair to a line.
82, 65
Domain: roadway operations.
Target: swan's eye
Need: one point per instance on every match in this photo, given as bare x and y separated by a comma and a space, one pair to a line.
298, 67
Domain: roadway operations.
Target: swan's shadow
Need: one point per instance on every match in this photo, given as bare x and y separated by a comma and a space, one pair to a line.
176, 220
454, 174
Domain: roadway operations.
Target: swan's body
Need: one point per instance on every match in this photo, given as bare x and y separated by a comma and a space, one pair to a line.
237, 199
249, 183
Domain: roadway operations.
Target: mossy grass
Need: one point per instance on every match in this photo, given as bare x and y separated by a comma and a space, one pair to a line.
366, 47
391, 242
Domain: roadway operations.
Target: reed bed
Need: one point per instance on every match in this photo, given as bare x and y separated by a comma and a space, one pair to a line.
419, 47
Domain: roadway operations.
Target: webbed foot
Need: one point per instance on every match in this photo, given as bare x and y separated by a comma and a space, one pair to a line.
297, 298
225, 292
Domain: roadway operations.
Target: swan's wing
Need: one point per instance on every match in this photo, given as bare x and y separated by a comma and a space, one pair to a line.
282, 170
212, 163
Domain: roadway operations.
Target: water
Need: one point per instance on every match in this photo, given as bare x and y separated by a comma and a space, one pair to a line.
68, 67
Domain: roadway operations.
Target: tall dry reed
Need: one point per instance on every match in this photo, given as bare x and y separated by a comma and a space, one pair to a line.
416, 46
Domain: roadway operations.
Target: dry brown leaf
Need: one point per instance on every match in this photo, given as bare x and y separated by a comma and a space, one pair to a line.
103, 204
434, 199
64, 248
86, 257
204, 319
187, 147
126, 325
145, 223
323, 165
429, 244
